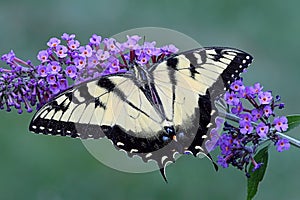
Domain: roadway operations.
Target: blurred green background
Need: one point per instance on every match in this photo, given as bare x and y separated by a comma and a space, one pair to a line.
55, 168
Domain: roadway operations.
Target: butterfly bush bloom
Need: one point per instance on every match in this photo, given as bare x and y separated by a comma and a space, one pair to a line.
66, 62
262, 130
253, 123
53, 42
281, 123
231, 98
43, 56
282, 144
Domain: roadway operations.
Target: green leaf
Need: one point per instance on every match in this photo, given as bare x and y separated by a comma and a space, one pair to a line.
293, 121
257, 176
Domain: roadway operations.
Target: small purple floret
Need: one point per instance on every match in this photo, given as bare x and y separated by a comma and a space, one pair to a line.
71, 71
281, 123
95, 40
53, 42
262, 130
73, 44
265, 97
42, 71
86, 51
43, 56
245, 127
54, 67
231, 98
61, 51
237, 86
282, 144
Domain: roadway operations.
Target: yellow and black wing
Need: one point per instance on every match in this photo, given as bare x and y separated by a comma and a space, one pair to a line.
140, 118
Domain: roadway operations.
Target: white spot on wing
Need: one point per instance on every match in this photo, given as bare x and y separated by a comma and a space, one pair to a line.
148, 155
120, 144
212, 112
209, 125
133, 150
198, 147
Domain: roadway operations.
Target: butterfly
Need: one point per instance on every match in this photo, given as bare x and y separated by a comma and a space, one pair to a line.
152, 112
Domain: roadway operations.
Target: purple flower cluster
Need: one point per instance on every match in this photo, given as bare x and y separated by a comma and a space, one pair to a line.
66, 62
253, 111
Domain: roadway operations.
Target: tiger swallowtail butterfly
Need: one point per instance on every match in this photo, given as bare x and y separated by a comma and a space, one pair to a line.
151, 112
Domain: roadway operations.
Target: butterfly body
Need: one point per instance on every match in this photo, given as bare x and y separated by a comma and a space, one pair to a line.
151, 112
